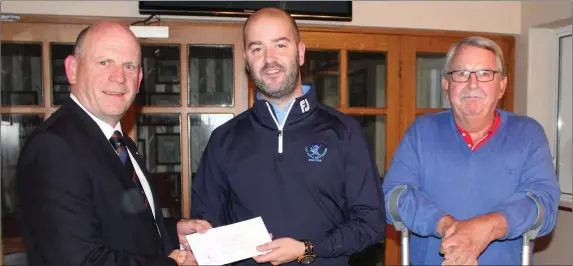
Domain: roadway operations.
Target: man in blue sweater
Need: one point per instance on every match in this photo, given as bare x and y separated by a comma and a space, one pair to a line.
475, 176
302, 166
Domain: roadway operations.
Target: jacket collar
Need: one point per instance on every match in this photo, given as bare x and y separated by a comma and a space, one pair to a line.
301, 108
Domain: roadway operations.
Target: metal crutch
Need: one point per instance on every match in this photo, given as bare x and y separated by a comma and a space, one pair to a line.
397, 221
399, 225
530, 235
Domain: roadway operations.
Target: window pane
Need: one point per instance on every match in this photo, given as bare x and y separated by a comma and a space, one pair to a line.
429, 92
159, 144
564, 119
60, 85
21, 79
367, 79
160, 85
14, 129
200, 127
374, 127
321, 70
211, 75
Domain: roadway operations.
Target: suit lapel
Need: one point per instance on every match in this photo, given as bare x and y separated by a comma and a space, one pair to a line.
99, 143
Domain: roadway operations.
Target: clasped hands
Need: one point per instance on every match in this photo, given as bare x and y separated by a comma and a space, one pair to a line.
464, 240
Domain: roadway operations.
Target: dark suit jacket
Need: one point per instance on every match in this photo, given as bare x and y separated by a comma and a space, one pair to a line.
76, 204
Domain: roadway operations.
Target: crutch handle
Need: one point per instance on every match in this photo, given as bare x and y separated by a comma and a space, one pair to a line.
532, 233
397, 221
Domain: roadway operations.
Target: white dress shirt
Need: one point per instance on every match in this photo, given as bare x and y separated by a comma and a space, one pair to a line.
108, 132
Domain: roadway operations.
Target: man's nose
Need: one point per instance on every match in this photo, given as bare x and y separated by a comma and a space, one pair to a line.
270, 56
118, 75
473, 81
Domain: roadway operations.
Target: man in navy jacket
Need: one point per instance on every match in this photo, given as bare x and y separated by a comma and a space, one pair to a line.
304, 167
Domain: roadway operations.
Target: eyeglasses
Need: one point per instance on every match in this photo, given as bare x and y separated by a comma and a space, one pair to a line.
464, 75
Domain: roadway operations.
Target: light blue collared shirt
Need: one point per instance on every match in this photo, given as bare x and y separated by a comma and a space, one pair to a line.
281, 113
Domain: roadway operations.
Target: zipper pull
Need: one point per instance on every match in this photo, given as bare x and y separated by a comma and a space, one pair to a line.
280, 141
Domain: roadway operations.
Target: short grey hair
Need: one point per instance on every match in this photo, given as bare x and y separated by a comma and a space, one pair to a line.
479, 42
78, 46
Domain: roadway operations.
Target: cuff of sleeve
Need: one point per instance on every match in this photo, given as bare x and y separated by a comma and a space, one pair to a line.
520, 216
437, 216
425, 220
171, 262
320, 247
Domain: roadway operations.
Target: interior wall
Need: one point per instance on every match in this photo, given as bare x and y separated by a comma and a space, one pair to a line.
555, 249
503, 16
535, 97
534, 13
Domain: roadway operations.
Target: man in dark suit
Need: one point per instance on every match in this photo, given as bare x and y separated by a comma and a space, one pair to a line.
84, 191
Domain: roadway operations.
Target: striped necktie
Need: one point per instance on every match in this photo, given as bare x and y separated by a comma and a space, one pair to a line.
118, 144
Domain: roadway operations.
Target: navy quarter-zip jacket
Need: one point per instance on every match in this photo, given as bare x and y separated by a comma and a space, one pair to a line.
313, 179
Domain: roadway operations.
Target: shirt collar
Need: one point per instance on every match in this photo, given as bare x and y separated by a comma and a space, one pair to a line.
105, 127
302, 107
492, 129
280, 113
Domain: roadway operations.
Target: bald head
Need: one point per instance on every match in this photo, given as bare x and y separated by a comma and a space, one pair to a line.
105, 70
95, 32
273, 52
266, 13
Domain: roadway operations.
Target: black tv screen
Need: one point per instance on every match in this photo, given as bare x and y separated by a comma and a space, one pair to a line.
312, 10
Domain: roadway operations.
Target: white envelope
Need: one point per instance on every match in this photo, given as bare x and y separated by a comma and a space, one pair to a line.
230, 243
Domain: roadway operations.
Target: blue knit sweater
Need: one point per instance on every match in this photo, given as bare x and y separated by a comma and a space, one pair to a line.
443, 176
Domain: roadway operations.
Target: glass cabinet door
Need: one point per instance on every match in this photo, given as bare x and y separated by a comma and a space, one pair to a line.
21, 78
61, 88
160, 85
158, 142
211, 75
429, 71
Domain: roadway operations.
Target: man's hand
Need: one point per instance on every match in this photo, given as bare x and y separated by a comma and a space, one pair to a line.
464, 241
469, 262
190, 226
183, 257
282, 250
445, 222
189, 258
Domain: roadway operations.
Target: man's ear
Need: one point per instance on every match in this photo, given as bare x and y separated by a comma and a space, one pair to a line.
71, 65
445, 86
502, 86
301, 49
140, 78
246, 64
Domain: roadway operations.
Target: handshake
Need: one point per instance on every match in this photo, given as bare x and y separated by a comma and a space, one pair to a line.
464, 240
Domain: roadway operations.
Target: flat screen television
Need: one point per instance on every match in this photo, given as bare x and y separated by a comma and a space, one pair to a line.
310, 10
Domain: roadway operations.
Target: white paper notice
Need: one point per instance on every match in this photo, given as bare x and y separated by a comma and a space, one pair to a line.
230, 243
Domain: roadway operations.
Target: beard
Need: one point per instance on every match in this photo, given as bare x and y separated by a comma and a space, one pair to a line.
285, 89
